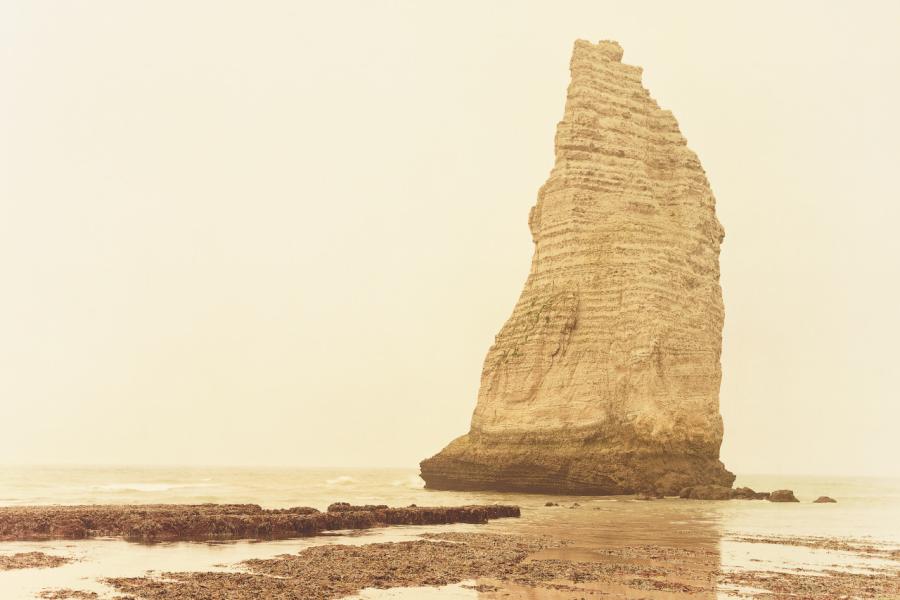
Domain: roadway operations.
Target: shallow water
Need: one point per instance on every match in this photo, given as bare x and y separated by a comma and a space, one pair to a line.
867, 509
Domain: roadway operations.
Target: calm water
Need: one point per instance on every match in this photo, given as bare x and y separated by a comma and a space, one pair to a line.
867, 509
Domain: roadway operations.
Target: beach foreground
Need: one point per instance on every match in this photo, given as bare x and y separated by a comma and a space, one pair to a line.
576, 547
535, 563
527, 566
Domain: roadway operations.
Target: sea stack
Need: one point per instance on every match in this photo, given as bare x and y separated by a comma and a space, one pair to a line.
605, 379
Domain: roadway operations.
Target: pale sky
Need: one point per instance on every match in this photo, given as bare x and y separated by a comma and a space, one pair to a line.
286, 233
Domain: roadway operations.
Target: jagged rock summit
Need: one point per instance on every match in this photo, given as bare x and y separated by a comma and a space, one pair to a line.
605, 379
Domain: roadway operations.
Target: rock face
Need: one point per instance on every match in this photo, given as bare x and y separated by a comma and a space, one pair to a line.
605, 379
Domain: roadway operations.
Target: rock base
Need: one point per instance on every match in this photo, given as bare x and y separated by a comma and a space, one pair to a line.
581, 466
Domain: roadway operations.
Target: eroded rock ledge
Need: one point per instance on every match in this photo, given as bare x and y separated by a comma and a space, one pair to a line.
605, 379
152, 522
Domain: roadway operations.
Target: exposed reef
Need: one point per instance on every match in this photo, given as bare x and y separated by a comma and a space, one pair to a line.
605, 379
154, 522
68, 594
504, 566
718, 492
31, 560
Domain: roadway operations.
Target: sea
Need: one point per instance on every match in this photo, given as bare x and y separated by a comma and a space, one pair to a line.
867, 510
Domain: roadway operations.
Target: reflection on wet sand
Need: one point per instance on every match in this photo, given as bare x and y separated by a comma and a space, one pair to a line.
676, 549
659, 549
591, 547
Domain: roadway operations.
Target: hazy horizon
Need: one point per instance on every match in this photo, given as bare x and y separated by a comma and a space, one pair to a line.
290, 241
332, 469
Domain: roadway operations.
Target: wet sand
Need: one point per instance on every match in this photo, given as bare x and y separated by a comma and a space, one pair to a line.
591, 549
501, 564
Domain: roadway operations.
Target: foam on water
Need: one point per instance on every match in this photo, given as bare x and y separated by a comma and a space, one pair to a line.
342, 480
146, 487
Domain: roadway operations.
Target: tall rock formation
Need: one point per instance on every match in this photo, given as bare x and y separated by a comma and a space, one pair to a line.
605, 379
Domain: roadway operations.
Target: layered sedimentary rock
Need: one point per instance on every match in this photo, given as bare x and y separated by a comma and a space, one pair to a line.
605, 379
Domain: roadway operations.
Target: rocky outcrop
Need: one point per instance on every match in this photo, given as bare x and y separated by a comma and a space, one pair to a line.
745, 493
605, 379
31, 560
153, 522
718, 492
347, 507
782, 496
706, 492
824, 500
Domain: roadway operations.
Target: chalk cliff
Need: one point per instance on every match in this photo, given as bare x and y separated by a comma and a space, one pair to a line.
605, 379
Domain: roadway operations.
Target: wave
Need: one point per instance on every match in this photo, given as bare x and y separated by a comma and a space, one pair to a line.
342, 480
147, 487
413, 482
